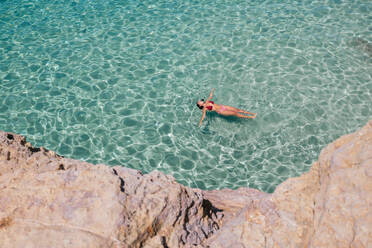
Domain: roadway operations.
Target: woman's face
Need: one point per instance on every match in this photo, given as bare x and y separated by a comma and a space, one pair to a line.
200, 103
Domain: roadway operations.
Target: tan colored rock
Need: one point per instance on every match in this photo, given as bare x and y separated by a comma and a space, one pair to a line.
330, 206
50, 201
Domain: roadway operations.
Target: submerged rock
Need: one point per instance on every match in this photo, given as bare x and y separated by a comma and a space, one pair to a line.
363, 45
50, 201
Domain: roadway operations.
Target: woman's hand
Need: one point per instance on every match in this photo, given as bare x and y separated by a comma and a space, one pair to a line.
210, 94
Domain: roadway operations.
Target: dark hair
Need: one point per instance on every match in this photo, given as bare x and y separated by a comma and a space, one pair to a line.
200, 107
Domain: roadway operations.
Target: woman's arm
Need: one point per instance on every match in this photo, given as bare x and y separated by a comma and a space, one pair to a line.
203, 116
210, 96
205, 108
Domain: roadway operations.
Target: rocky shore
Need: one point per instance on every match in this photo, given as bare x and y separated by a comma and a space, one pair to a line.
50, 201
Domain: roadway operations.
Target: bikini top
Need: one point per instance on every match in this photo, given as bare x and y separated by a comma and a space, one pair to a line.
210, 107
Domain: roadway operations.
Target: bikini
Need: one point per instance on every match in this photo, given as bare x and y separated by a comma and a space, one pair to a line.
210, 107
222, 107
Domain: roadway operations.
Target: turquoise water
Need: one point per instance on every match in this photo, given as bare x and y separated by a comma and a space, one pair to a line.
116, 82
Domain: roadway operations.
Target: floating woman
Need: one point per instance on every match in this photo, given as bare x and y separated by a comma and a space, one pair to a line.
221, 109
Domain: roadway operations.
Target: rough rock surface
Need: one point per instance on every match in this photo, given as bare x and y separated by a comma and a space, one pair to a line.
50, 201
329, 206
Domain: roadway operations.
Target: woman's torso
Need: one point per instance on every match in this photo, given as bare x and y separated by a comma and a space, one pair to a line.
211, 106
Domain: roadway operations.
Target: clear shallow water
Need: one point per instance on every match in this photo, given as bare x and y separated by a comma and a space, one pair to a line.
116, 82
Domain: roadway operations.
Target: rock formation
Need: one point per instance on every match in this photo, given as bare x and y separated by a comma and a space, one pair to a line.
50, 201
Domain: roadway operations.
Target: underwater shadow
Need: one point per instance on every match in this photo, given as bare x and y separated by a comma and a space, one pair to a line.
231, 119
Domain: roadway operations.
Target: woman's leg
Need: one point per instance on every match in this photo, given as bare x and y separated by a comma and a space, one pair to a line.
246, 112
226, 112
238, 110
245, 116
235, 113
